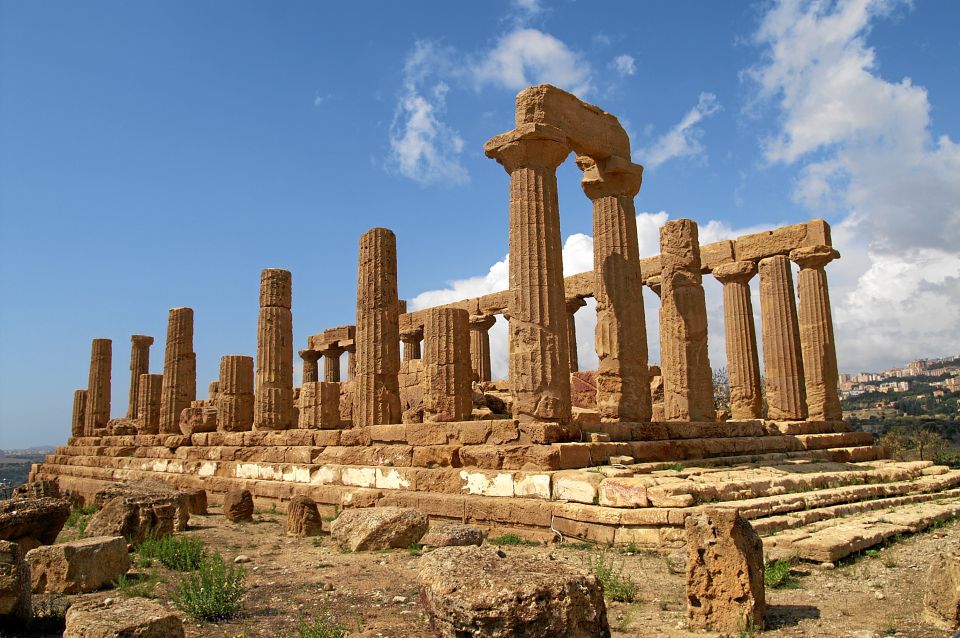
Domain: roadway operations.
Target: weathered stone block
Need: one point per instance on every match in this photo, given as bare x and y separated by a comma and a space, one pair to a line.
78, 566
378, 528
122, 618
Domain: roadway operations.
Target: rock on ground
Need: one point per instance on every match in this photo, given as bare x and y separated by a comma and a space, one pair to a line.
134, 518
122, 618
725, 589
303, 517
33, 521
78, 566
373, 528
196, 501
452, 535
478, 591
941, 601
151, 492
15, 599
238, 505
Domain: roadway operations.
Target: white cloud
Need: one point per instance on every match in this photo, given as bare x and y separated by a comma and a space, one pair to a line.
422, 146
529, 56
684, 139
864, 149
624, 64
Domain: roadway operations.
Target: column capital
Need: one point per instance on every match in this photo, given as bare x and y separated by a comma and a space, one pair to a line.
141, 340
655, 284
482, 322
309, 355
574, 304
735, 272
537, 145
331, 350
610, 177
813, 256
415, 335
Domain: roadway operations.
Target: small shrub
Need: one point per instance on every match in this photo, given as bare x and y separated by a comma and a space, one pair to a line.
616, 586
181, 553
776, 575
511, 539
415, 549
676, 467
323, 626
136, 586
80, 516
213, 592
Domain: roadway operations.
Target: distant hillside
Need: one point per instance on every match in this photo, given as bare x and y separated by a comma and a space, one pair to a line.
15, 465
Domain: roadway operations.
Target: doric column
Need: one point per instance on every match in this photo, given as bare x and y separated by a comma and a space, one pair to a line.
235, 395
782, 363
139, 364
447, 372
411, 344
573, 305
98, 387
623, 382
351, 349
213, 389
149, 392
319, 405
687, 377
539, 359
377, 387
816, 333
480, 346
179, 370
743, 365
311, 371
331, 362
273, 408
77, 423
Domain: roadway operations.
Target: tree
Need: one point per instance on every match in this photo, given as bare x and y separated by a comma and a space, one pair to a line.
928, 443
898, 443
721, 389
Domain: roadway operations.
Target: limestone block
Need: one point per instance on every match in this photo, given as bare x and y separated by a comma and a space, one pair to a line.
303, 517
198, 420
273, 407
478, 591
33, 521
238, 505
624, 492
781, 241
410, 380
149, 397
447, 369
452, 535
725, 589
577, 486
941, 600
235, 398
196, 500
134, 518
122, 618
139, 365
179, 370
319, 405
79, 413
15, 601
78, 566
368, 529
98, 389
149, 492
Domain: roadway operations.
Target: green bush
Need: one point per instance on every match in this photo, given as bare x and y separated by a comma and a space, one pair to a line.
182, 553
213, 592
776, 575
136, 586
323, 626
510, 539
616, 586
80, 516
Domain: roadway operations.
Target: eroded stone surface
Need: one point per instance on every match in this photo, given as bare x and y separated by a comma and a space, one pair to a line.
78, 566
451, 535
15, 601
238, 505
378, 528
303, 518
941, 601
179, 370
33, 521
122, 618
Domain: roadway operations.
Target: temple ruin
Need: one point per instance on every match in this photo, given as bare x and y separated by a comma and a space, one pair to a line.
418, 421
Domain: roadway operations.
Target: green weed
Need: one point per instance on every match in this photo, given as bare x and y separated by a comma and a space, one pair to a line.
322, 626
213, 592
776, 575
616, 586
136, 586
511, 539
181, 553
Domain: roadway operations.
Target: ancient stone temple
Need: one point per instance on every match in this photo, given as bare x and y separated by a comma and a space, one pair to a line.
623, 454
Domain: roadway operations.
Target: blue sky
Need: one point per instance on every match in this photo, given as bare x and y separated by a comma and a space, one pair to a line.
159, 154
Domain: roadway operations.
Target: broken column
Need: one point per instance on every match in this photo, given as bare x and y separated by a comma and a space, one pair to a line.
687, 377
311, 371
743, 364
179, 370
782, 363
480, 346
273, 406
817, 343
447, 372
539, 358
411, 344
573, 305
235, 394
98, 388
139, 364
623, 383
77, 423
149, 393
331, 362
319, 405
377, 388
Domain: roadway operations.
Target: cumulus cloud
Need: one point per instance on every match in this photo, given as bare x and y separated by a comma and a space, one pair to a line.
423, 147
864, 149
529, 56
624, 64
684, 139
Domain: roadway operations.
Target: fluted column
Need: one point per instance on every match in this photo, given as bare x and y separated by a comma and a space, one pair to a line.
539, 358
782, 362
411, 344
446, 365
377, 386
743, 364
273, 407
331, 363
179, 370
623, 382
817, 342
235, 395
573, 305
687, 377
98, 387
351, 360
480, 346
77, 423
149, 393
311, 371
139, 364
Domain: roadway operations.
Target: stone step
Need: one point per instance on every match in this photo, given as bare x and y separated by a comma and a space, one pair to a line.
854, 454
830, 541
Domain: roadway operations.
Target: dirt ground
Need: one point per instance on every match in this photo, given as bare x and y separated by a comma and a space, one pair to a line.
375, 594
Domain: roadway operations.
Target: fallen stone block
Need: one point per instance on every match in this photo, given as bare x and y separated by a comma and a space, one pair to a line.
149, 492
78, 566
452, 535
725, 588
303, 517
122, 618
196, 501
366, 529
133, 518
480, 591
238, 505
941, 601
32, 522
15, 602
